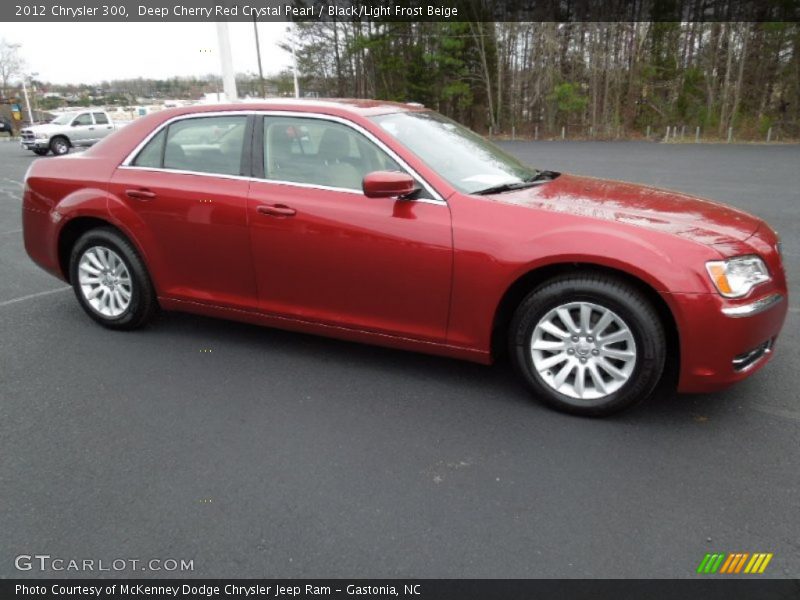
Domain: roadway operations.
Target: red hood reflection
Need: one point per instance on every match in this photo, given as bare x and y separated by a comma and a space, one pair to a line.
687, 216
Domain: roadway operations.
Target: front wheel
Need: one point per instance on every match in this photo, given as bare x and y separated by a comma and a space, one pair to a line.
41, 151
111, 281
588, 344
59, 146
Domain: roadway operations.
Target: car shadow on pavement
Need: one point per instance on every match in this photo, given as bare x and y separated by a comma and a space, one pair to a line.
498, 382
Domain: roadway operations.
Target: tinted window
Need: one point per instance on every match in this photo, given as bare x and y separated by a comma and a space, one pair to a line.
150, 156
206, 145
319, 152
100, 118
83, 119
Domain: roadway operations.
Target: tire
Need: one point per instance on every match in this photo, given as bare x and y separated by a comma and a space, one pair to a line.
41, 151
105, 268
59, 145
588, 372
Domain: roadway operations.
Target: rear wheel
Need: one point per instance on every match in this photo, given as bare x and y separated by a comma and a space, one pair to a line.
588, 344
111, 281
59, 145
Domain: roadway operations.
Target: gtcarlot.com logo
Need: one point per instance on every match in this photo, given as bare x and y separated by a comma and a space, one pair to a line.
733, 563
46, 562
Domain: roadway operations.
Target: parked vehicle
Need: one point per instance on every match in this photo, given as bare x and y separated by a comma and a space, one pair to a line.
68, 130
6, 126
391, 224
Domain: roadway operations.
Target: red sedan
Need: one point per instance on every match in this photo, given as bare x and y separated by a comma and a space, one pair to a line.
391, 224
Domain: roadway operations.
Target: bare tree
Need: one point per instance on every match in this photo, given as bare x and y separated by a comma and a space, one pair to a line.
607, 79
11, 64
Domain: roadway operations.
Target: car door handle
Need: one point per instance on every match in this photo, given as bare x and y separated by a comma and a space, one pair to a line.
140, 194
276, 210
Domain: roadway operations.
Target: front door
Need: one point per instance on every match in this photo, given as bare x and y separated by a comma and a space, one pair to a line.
324, 252
81, 130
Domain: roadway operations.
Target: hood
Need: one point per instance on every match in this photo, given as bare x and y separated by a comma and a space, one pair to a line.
672, 212
45, 128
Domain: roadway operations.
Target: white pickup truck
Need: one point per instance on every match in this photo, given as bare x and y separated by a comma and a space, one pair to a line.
68, 130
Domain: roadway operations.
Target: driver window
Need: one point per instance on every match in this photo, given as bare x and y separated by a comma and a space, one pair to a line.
320, 152
83, 119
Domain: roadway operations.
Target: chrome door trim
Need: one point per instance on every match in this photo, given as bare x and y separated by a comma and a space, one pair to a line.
126, 163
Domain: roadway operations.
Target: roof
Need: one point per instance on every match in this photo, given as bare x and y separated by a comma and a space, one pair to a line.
358, 106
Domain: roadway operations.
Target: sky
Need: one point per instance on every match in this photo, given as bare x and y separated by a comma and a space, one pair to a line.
94, 52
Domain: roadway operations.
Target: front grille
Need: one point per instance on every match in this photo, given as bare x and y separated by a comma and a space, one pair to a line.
27, 136
747, 359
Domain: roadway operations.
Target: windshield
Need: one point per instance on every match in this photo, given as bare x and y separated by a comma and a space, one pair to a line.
467, 161
64, 119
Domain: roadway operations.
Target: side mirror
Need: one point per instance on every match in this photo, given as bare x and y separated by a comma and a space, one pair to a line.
74, 124
387, 184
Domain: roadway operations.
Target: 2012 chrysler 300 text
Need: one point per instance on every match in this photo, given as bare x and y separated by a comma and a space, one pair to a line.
390, 224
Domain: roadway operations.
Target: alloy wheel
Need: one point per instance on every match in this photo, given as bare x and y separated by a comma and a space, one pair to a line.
583, 350
105, 281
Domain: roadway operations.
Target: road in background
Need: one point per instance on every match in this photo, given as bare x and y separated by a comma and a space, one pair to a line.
285, 455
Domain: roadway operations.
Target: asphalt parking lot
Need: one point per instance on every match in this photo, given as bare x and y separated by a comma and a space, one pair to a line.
285, 455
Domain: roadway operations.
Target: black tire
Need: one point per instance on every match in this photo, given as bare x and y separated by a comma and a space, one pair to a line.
143, 304
607, 292
60, 145
41, 151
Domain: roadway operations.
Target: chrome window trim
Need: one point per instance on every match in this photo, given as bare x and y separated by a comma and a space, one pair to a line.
127, 162
753, 308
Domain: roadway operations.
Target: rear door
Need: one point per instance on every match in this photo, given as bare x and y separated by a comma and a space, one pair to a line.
188, 194
102, 125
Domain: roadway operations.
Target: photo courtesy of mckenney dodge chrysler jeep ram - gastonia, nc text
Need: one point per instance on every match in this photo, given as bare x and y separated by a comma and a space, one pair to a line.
391, 224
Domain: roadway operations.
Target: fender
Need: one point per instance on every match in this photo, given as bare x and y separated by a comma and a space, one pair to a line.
481, 280
97, 203
622, 250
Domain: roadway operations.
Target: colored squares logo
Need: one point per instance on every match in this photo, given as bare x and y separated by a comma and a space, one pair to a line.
734, 562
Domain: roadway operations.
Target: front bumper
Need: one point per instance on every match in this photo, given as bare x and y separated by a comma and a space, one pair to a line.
723, 342
35, 144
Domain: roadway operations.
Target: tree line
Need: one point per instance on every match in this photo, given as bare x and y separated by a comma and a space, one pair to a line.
590, 79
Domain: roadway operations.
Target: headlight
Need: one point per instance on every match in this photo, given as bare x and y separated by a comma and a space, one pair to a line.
41, 136
735, 277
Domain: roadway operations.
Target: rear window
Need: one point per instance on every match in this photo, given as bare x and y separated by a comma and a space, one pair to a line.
100, 118
200, 145
206, 145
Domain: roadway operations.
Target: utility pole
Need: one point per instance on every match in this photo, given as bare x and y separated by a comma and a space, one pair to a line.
226, 61
27, 101
294, 67
258, 54
33, 90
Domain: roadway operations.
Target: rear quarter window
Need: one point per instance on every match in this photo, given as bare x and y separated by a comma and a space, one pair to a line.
150, 156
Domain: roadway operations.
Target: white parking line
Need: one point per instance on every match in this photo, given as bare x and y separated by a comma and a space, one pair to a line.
32, 296
14, 181
11, 231
11, 195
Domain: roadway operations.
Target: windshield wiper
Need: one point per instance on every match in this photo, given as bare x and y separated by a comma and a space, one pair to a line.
541, 176
504, 187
